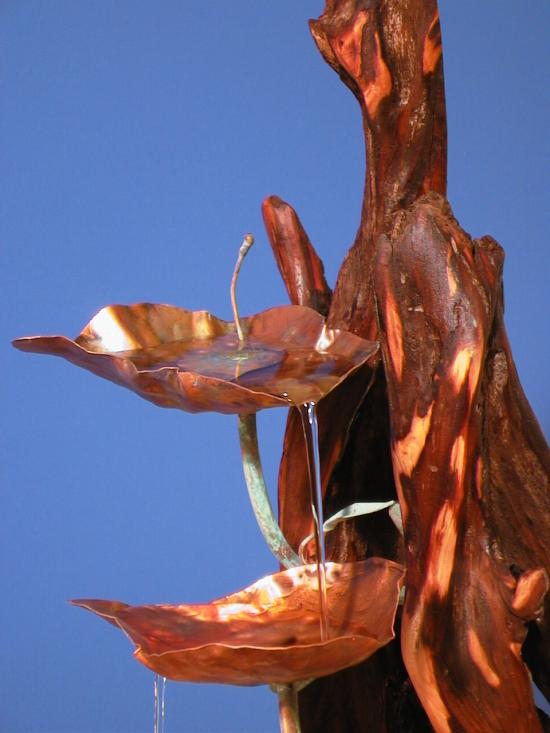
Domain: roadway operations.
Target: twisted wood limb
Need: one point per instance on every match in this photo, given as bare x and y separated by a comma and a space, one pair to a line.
355, 457
473, 471
516, 501
388, 52
465, 611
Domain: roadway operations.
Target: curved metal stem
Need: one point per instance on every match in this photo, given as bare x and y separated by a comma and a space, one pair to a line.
248, 241
289, 716
257, 491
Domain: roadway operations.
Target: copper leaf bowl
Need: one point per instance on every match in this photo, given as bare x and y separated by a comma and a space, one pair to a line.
194, 361
268, 632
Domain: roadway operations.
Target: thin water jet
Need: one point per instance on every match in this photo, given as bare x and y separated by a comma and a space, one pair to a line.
308, 414
159, 693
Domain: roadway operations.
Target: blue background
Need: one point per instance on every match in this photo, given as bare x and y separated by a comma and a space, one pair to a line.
137, 142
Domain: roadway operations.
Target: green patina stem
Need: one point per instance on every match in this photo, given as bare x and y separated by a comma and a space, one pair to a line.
257, 491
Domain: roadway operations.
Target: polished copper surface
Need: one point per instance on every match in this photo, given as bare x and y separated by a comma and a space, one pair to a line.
194, 361
268, 632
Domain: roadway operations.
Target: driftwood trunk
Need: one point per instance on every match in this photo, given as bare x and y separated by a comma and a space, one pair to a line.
443, 425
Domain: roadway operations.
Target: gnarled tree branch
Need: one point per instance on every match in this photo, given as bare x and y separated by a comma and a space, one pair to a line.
443, 422
465, 612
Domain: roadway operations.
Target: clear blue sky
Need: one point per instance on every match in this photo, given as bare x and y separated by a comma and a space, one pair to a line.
137, 140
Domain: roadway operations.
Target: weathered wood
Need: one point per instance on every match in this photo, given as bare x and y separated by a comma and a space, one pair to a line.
443, 422
389, 55
516, 501
398, 82
465, 612
376, 695
387, 702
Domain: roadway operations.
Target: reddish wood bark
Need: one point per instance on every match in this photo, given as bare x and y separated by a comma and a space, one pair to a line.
389, 55
442, 422
464, 617
299, 264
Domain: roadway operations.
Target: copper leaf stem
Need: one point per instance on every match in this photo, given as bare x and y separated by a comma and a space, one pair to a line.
257, 491
247, 243
289, 718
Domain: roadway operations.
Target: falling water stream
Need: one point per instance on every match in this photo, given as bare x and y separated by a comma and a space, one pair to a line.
159, 692
311, 434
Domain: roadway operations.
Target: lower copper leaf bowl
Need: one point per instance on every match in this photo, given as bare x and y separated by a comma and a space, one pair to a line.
267, 633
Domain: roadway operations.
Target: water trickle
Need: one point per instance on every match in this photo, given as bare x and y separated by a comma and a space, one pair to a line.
311, 434
159, 691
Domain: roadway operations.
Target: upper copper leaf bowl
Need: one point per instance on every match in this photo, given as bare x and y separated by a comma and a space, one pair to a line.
194, 361
268, 632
